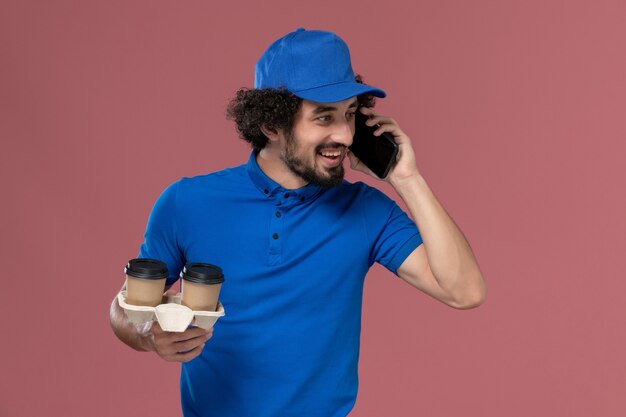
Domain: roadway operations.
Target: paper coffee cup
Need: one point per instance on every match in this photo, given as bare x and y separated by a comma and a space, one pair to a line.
201, 284
145, 282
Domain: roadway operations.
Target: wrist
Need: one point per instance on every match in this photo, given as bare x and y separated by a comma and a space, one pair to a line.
145, 337
408, 184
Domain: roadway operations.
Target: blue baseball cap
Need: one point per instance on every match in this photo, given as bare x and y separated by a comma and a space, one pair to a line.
313, 65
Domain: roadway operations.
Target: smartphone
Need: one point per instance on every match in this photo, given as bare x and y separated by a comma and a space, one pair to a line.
378, 153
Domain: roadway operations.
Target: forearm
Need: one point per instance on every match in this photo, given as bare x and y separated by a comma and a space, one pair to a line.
136, 336
449, 254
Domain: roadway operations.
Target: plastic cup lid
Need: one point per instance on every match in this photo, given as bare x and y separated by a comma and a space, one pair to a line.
202, 273
146, 268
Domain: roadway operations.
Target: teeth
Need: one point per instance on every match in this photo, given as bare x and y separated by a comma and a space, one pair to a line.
328, 153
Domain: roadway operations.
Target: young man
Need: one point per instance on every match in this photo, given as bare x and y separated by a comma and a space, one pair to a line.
295, 241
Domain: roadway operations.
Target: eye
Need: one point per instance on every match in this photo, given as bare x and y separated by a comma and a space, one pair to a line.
324, 118
350, 115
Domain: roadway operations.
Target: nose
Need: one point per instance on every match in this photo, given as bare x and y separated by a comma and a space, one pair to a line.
343, 131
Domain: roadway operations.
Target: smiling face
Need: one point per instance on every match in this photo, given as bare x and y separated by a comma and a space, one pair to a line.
317, 145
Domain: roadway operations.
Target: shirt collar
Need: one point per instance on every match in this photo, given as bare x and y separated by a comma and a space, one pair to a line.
271, 189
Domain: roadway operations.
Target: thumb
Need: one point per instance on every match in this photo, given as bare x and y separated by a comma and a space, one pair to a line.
355, 162
357, 165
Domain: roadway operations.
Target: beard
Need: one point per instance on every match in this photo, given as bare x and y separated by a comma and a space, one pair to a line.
322, 177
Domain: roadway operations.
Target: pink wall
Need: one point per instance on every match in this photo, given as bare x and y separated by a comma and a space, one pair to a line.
516, 111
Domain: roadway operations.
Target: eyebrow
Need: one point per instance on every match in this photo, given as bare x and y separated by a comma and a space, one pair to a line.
322, 109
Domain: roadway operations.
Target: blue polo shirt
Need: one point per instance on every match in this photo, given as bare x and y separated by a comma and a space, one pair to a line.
294, 263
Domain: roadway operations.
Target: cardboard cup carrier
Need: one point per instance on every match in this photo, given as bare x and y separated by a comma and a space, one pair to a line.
143, 300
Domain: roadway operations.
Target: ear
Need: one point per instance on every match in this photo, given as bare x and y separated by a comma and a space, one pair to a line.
271, 133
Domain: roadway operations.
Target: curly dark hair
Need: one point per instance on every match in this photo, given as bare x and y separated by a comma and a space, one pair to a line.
274, 108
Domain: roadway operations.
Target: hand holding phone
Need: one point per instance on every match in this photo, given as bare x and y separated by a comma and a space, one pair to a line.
378, 153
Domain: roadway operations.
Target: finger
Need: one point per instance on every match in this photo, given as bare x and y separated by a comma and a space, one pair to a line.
166, 347
380, 120
391, 128
354, 161
366, 110
185, 356
187, 345
191, 333
166, 342
199, 336
357, 165
371, 115
192, 354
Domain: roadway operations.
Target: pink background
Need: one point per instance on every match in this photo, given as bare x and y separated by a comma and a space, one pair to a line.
517, 114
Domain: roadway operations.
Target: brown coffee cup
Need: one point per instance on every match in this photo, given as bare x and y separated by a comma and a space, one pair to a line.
201, 284
145, 282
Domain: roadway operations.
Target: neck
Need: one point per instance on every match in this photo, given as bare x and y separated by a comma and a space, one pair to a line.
274, 167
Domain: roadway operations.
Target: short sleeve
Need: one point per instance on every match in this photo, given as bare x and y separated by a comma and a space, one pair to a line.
392, 233
398, 238
160, 238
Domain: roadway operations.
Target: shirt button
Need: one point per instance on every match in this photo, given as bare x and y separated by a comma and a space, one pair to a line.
278, 214
275, 236
301, 198
286, 195
266, 191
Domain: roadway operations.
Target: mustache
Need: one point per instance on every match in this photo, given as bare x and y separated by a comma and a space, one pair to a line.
332, 145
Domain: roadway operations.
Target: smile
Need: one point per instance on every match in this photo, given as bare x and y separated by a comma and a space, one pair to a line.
332, 158
331, 154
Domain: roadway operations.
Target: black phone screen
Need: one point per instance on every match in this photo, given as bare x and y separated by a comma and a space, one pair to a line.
378, 153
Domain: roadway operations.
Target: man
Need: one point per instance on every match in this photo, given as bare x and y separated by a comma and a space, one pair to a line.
295, 241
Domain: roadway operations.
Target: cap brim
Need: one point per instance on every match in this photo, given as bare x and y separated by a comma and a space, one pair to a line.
338, 92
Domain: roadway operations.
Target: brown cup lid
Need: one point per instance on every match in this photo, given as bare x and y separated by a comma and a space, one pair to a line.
146, 268
202, 273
